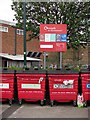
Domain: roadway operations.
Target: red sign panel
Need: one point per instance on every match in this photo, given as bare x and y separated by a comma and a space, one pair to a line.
53, 37
53, 28
51, 46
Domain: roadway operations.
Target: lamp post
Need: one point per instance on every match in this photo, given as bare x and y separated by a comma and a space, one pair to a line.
15, 42
15, 35
45, 53
24, 31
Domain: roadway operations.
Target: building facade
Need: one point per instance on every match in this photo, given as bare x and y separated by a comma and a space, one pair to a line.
18, 60
13, 39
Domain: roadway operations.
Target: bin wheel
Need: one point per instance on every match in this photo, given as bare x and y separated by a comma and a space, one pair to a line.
10, 102
52, 103
42, 102
20, 102
85, 104
74, 103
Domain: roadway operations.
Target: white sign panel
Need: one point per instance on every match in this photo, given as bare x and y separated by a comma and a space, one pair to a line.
62, 86
46, 46
4, 85
31, 86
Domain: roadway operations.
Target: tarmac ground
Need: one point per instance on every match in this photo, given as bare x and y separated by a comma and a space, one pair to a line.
34, 110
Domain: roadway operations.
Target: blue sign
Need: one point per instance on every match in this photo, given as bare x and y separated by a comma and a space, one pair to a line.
63, 37
88, 85
58, 37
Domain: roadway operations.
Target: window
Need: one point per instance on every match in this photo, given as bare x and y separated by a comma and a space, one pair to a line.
19, 32
3, 29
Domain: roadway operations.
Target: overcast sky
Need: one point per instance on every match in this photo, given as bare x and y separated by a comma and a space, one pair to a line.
6, 12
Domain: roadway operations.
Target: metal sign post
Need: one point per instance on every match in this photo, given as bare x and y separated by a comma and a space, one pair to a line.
44, 60
61, 52
60, 60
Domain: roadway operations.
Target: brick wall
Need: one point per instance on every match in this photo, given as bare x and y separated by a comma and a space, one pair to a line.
8, 39
33, 45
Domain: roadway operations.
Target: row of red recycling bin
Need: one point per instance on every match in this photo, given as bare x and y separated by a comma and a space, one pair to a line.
85, 77
63, 85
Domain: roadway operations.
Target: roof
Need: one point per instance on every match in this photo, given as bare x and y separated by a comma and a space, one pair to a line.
17, 57
7, 22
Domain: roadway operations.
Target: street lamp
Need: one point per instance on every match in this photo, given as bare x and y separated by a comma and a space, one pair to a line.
24, 31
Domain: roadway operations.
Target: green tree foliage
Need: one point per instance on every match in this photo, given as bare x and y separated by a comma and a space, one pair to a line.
75, 14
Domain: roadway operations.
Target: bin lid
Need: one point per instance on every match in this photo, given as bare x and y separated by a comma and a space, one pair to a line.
86, 71
7, 71
31, 72
63, 71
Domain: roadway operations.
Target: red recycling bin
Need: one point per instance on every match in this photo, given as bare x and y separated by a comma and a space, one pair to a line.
7, 86
63, 86
31, 85
85, 77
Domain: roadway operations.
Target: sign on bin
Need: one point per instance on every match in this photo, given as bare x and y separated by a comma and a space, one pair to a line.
31, 86
2, 85
88, 85
62, 86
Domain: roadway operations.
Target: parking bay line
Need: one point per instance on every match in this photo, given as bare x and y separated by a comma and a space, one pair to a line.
17, 110
10, 111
